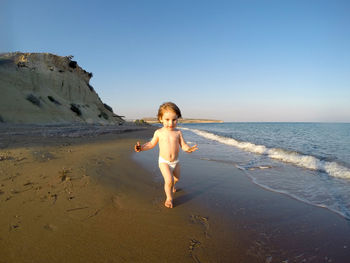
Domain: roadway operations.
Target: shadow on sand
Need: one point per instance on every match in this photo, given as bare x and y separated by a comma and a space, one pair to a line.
190, 194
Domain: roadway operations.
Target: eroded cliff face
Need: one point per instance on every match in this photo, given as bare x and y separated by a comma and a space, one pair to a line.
43, 88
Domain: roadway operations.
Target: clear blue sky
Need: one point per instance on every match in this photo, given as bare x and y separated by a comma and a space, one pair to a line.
231, 60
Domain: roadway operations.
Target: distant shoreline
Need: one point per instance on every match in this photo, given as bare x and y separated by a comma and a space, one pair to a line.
154, 120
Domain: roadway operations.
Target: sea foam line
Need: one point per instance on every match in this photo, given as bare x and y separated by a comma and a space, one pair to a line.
306, 161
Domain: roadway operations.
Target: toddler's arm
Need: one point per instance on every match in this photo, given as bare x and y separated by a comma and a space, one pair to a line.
185, 147
148, 145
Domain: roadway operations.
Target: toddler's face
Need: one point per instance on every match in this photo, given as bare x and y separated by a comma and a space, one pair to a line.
169, 120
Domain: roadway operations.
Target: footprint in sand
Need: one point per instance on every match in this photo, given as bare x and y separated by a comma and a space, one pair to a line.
16, 225
193, 245
204, 221
116, 201
50, 227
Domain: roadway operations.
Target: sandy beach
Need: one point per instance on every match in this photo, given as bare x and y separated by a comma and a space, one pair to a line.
85, 196
83, 199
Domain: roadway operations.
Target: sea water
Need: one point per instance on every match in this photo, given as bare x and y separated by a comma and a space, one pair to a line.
307, 161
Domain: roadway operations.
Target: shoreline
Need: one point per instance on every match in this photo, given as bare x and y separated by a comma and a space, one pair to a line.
296, 198
251, 224
91, 198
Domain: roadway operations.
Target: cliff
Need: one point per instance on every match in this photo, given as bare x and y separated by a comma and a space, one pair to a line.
42, 88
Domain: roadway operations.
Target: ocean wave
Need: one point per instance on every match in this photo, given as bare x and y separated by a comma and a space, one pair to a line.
306, 161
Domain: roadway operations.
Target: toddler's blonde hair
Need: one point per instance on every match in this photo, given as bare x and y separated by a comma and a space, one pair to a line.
168, 106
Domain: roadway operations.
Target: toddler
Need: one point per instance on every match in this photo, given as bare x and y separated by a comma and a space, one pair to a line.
170, 140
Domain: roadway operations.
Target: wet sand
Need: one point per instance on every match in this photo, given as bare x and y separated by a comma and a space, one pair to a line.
92, 199
243, 222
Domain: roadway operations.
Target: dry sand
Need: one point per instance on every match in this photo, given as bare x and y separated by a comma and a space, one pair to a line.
91, 199
84, 200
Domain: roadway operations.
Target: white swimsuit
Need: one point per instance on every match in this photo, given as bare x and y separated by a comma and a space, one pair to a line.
172, 164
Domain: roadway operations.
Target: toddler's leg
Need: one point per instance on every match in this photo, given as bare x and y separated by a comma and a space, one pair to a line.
176, 174
168, 184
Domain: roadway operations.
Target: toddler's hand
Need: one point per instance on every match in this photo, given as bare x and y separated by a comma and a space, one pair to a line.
192, 149
137, 147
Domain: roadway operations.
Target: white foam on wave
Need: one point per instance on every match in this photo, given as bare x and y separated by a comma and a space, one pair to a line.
306, 161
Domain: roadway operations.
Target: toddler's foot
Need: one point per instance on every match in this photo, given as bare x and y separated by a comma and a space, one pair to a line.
174, 189
169, 203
